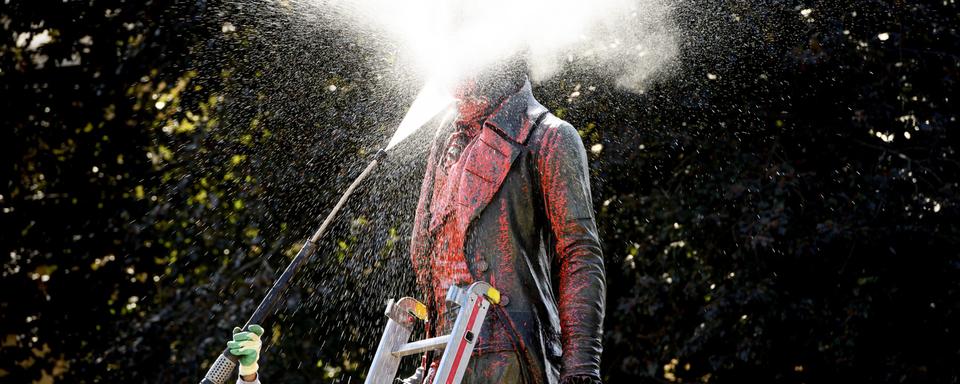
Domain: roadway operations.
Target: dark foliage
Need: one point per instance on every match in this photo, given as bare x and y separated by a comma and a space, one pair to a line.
782, 208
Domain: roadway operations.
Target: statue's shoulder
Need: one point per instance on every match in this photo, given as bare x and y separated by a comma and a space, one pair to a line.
551, 131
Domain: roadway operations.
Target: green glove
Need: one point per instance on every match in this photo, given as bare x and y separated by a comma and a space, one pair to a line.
246, 346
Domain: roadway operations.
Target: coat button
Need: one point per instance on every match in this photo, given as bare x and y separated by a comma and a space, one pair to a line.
483, 265
504, 300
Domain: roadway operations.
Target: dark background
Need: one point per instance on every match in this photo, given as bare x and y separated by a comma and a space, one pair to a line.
792, 217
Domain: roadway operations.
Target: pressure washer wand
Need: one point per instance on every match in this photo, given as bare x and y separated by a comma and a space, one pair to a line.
226, 363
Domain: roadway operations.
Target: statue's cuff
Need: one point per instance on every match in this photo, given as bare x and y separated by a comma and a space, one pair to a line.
249, 369
581, 379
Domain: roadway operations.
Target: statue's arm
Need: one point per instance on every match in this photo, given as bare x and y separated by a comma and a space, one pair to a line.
565, 182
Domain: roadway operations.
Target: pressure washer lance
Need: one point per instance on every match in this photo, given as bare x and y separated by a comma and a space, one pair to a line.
226, 363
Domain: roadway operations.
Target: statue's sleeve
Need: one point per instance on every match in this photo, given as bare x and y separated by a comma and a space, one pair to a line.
419, 240
565, 184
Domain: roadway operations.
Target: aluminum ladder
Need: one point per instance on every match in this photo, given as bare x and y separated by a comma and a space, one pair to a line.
473, 303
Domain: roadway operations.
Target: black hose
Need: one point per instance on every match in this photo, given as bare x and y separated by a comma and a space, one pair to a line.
226, 362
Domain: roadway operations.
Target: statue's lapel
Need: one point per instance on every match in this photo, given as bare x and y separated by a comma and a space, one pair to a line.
503, 136
488, 163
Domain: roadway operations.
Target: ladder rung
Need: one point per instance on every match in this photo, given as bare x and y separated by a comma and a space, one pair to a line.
433, 343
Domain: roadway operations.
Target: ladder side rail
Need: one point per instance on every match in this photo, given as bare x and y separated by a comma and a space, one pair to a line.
463, 339
385, 363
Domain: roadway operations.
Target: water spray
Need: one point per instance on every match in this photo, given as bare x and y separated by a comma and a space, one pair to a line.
429, 103
631, 39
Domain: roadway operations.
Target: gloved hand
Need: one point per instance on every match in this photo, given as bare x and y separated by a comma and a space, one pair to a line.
246, 346
417, 377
